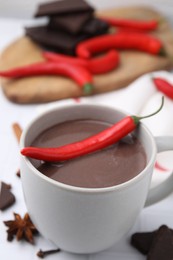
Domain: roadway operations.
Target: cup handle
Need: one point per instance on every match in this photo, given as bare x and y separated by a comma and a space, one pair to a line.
164, 143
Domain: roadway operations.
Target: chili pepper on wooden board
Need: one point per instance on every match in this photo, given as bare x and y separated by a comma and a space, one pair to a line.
57, 57
105, 63
131, 24
91, 144
164, 86
79, 74
98, 65
122, 40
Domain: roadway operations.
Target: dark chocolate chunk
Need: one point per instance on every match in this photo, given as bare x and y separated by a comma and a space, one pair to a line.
71, 23
55, 39
63, 7
162, 245
6, 197
95, 26
142, 241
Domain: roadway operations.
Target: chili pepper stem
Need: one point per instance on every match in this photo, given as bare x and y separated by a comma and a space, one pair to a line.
87, 89
138, 118
162, 52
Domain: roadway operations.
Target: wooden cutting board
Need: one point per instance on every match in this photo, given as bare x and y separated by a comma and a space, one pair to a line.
133, 64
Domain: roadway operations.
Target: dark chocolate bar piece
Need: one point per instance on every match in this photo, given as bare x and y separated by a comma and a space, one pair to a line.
71, 23
63, 7
142, 241
162, 245
54, 39
95, 26
6, 197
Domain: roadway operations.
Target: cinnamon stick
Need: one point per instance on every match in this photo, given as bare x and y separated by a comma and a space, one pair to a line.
17, 131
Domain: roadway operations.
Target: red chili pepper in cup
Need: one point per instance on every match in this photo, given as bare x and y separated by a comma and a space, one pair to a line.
131, 24
98, 65
96, 142
79, 74
122, 40
164, 86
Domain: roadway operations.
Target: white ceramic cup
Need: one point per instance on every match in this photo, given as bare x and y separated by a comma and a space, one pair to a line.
87, 220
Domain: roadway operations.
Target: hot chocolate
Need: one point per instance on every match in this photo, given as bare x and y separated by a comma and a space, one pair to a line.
108, 167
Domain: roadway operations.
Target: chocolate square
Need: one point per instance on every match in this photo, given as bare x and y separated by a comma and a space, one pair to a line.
142, 241
54, 39
95, 26
162, 245
63, 7
71, 23
6, 196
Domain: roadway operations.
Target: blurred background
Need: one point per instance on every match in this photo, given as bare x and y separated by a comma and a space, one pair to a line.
26, 8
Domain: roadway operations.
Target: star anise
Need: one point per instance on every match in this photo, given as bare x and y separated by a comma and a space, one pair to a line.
21, 228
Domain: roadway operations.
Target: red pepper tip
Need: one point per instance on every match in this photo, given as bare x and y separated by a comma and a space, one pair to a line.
23, 151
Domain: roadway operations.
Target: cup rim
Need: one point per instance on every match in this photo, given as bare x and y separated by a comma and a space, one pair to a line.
68, 187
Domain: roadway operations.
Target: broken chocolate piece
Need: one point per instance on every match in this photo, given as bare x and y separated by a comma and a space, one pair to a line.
162, 245
54, 39
142, 241
6, 197
95, 26
63, 7
71, 23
